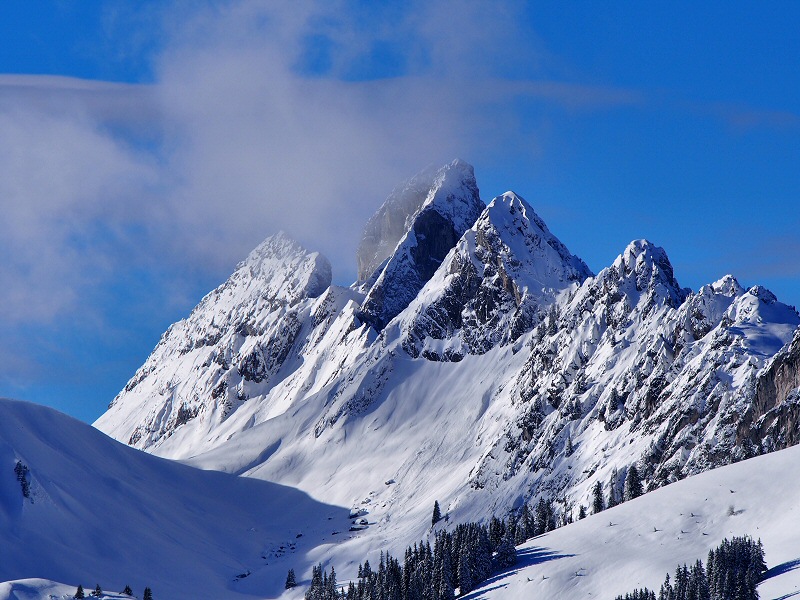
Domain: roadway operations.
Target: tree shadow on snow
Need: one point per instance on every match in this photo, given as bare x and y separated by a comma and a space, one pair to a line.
782, 568
525, 558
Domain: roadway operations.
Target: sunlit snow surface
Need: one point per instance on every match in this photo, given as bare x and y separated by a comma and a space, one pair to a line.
637, 543
103, 513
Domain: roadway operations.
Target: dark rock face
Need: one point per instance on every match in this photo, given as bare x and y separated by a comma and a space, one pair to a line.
435, 235
773, 421
391, 222
451, 207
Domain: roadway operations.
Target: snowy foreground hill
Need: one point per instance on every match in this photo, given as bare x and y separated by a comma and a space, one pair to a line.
637, 543
98, 512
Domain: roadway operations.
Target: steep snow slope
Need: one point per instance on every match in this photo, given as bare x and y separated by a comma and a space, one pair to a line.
237, 343
99, 512
637, 543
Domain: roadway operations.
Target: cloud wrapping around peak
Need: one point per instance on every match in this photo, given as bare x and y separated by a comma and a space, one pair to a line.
263, 116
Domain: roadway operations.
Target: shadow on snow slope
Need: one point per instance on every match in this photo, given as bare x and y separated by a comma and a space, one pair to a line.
100, 512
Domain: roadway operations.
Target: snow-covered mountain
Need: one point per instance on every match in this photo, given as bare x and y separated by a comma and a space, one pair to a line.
451, 206
235, 345
476, 362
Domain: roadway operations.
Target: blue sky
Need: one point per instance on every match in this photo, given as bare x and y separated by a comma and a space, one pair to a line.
150, 145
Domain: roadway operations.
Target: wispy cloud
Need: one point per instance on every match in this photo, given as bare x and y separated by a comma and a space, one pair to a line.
244, 133
746, 118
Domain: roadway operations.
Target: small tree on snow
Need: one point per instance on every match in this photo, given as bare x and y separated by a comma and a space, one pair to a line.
598, 504
148, 594
633, 484
79, 592
291, 581
97, 591
128, 591
437, 513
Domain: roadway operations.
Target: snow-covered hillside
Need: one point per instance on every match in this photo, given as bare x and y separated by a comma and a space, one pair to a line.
97, 511
637, 543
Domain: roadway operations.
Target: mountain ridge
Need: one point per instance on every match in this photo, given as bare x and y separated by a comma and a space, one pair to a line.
507, 373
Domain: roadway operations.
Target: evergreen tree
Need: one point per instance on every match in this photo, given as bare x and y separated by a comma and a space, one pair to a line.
497, 530
613, 498
581, 512
148, 594
128, 591
97, 591
598, 505
437, 513
633, 484
291, 580
79, 592
330, 585
464, 572
525, 525
446, 590
506, 553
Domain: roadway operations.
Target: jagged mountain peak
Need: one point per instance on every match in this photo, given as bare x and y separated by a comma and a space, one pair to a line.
644, 268
451, 206
454, 192
727, 285
763, 294
232, 345
512, 202
510, 214
503, 271
390, 223
286, 269
643, 251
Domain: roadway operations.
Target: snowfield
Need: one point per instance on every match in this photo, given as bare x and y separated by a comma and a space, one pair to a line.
636, 543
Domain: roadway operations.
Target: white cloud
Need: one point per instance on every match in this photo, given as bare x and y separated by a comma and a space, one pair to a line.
233, 142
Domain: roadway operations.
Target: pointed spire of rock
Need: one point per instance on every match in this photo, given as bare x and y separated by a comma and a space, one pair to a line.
451, 206
489, 288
